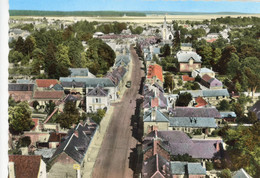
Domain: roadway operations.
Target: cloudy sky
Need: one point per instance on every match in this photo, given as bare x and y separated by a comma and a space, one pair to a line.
246, 6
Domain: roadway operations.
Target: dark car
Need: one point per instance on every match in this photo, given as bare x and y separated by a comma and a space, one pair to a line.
128, 84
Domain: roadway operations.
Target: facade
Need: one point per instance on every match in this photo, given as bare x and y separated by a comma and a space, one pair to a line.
154, 75
97, 98
211, 83
188, 61
20, 92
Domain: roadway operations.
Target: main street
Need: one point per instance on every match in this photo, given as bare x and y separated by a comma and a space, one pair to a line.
113, 157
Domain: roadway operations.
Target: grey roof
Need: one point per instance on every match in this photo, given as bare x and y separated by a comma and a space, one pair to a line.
98, 91
181, 168
241, 173
205, 70
227, 114
215, 93
193, 122
71, 98
76, 146
195, 112
89, 82
79, 72
57, 87
45, 152
196, 169
159, 117
116, 75
178, 168
23, 81
20, 87
207, 93
122, 60
186, 44
73, 84
178, 142
185, 56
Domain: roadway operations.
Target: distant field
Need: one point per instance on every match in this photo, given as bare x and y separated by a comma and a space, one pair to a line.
150, 19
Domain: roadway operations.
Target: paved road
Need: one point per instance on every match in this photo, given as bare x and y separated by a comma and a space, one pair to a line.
113, 157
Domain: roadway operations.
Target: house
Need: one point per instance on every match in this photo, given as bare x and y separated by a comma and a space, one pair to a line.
190, 124
122, 60
44, 97
91, 83
155, 118
26, 166
118, 77
211, 83
81, 72
179, 143
20, 92
194, 112
187, 78
228, 116
74, 87
55, 139
97, 98
72, 150
158, 167
203, 71
186, 46
241, 173
256, 109
98, 34
188, 61
155, 75
45, 84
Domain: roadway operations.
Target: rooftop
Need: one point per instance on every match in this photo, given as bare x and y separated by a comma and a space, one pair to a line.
155, 70
185, 56
46, 82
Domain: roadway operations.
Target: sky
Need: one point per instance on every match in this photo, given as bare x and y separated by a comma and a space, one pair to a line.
246, 6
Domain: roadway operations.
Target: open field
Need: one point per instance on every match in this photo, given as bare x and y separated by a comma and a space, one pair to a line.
149, 19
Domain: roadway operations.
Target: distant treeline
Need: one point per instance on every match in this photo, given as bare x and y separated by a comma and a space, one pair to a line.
73, 13
191, 13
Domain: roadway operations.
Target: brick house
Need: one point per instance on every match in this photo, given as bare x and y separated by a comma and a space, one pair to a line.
188, 61
26, 166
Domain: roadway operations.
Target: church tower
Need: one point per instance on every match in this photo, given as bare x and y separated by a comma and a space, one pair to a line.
164, 29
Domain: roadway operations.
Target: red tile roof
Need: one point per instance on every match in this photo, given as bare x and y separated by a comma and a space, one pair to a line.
46, 82
48, 94
211, 40
26, 166
200, 101
206, 77
187, 78
154, 102
21, 95
155, 70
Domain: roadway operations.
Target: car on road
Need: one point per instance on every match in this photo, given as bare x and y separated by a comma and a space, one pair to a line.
128, 84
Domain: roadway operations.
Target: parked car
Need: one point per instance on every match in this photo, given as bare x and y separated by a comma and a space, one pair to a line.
128, 84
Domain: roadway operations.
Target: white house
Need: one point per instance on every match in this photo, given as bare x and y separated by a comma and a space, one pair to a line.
97, 98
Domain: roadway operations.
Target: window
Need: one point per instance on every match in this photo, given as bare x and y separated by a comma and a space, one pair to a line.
96, 100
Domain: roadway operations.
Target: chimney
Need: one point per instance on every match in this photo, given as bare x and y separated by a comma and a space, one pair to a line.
217, 146
76, 133
155, 147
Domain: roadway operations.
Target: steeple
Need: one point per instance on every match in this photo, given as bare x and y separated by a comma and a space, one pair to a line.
165, 23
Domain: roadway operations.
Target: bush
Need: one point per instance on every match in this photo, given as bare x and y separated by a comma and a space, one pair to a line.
197, 132
209, 166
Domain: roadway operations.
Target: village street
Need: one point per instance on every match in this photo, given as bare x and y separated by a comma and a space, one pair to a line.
113, 157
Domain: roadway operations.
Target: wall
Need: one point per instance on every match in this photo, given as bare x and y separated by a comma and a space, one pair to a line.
105, 102
160, 125
42, 170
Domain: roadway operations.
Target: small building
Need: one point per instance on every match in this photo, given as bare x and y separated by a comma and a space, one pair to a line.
203, 71
211, 83
44, 97
81, 72
45, 84
26, 166
228, 116
20, 92
186, 46
97, 98
188, 61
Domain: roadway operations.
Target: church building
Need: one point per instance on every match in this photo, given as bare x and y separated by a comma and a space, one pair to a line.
167, 32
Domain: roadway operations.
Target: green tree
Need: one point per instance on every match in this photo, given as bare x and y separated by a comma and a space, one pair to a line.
29, 45
209, 165
225, 58
15, 56
183, 99
20, 117
165, 50
69, 116
169, 82
19, 46
49, 107
38, 61
62, 55
225, 173
224, 105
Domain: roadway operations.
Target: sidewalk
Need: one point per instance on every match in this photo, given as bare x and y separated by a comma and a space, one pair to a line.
95, 145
